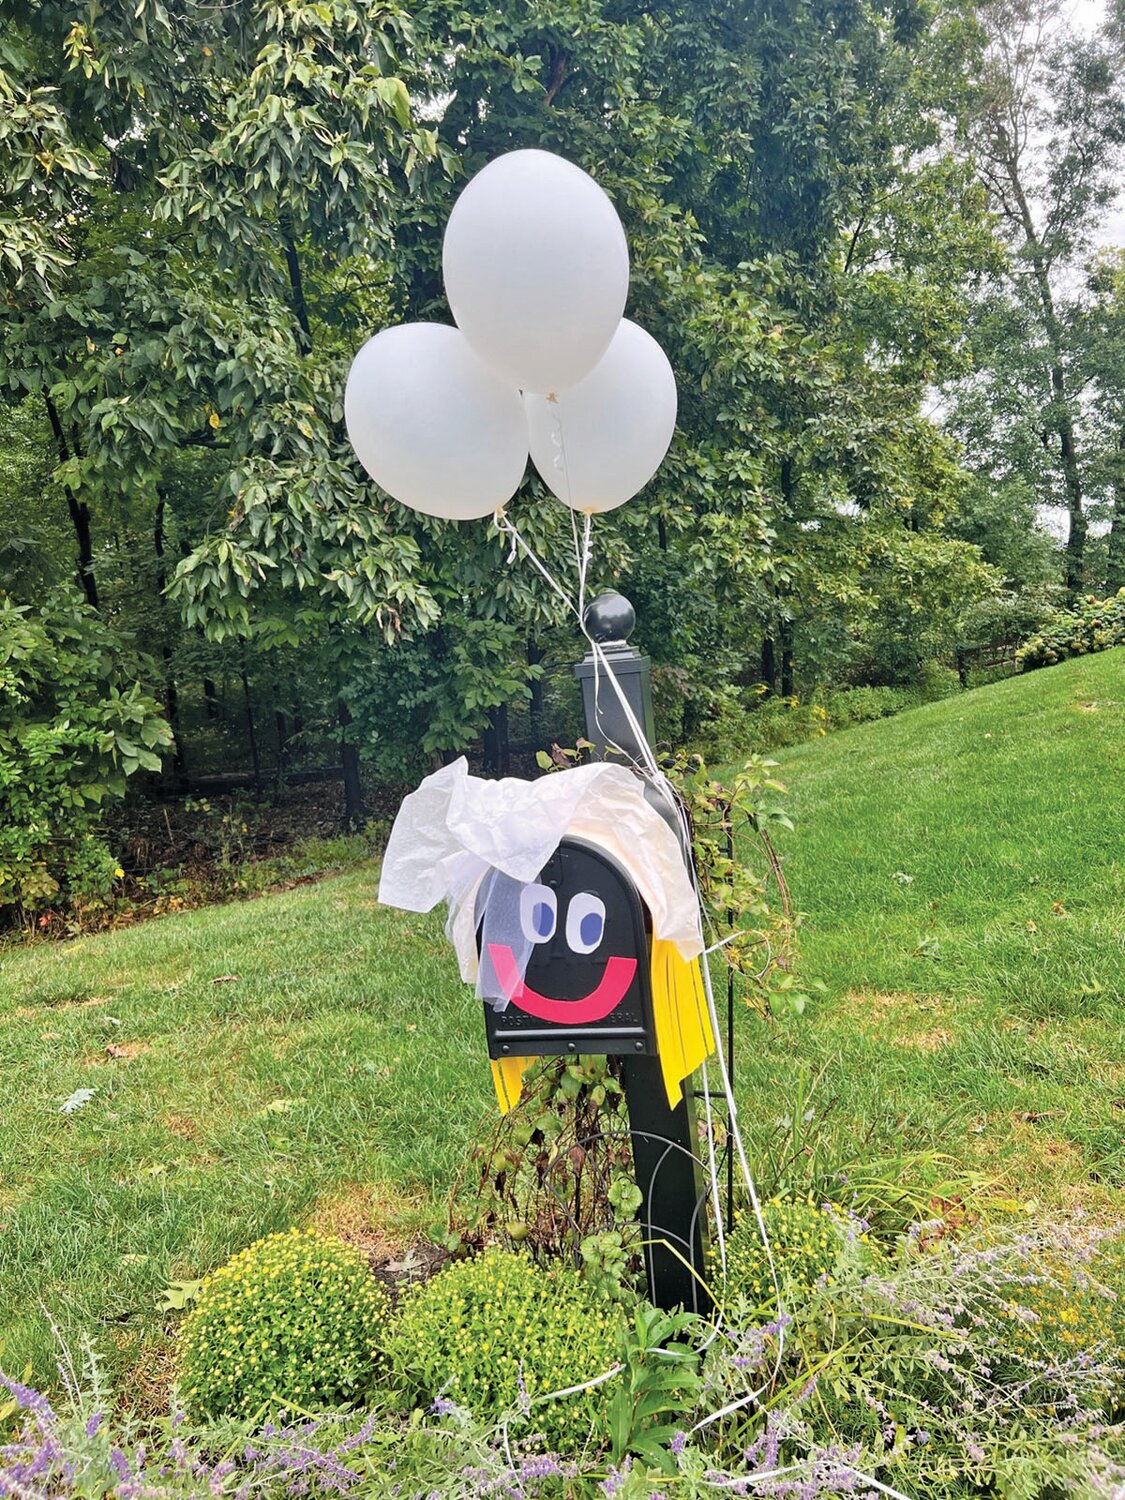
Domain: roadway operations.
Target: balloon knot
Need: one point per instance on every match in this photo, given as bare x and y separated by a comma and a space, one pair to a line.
552, 397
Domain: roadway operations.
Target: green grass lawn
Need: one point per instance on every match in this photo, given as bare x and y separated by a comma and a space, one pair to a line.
303, 1055
309, 1056
962, 871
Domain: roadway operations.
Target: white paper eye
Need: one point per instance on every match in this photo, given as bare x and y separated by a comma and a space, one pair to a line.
585, 923
538, 913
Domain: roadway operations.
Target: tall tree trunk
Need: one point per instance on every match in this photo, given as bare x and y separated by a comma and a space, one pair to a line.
281, 727
1062, 419
1115, 546
496, 741
79, 513
785, 635
788, 481
1072, 479
535, 655
251, 731
171, 692
355, 813
769, 664
296, 285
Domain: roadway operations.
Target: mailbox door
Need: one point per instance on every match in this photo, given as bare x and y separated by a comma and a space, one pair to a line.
578, 995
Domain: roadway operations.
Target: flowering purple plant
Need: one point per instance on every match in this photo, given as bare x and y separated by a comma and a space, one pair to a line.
990, 1361
75, 1449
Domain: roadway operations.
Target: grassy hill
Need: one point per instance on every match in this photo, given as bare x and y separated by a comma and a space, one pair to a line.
976, 845
311, 1056
962, 868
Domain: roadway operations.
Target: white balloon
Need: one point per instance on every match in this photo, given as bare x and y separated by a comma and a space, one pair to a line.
536, 269
600, 442
432, 425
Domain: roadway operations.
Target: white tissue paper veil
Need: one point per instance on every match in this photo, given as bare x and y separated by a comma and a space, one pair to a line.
456, 828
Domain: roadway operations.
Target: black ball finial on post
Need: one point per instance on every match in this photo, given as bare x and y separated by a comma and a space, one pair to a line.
610, 619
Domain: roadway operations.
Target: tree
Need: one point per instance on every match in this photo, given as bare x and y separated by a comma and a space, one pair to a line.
800, 242
193, 158
1101, 337
74, 725
1045, 127
248, 195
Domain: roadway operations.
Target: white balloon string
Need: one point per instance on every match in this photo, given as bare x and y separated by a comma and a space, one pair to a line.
577, 550
502, 523
559, 441
742, 1482
713, 1181
584, 566
664, 786
661, 782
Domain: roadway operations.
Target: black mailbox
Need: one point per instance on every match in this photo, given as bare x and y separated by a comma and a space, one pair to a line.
586, 984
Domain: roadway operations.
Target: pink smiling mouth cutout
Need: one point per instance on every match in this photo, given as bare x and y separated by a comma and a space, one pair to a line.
595, 1006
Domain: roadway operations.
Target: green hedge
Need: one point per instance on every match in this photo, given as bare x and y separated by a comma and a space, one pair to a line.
737, 731
1095, 625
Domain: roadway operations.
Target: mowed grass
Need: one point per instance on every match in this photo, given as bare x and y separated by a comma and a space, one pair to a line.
311, 1057
306, 1056
962, 871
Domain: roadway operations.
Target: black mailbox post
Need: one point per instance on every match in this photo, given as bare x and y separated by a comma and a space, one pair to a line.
665, 1140
571, 953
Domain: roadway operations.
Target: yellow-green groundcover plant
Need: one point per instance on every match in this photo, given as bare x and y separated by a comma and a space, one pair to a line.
294, 1320
495, 1333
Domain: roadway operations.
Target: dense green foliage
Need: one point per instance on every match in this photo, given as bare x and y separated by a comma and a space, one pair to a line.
295, 1320
739, 721
1095, 625
498, 1333
75, 724
204, 211
985, 1360
966, 1361
806, 1240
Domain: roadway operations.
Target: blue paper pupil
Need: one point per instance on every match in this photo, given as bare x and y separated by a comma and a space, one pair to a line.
541, 918
590, 929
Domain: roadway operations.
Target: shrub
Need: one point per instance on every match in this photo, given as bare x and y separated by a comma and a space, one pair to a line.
740, 728
1095, 625
495, 1332
294, 1320
916, 1369
806, 1240
999, 620
861, 705
74, 724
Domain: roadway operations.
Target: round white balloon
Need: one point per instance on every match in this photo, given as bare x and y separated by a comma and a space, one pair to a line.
536, 269
432, 425
600, 442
